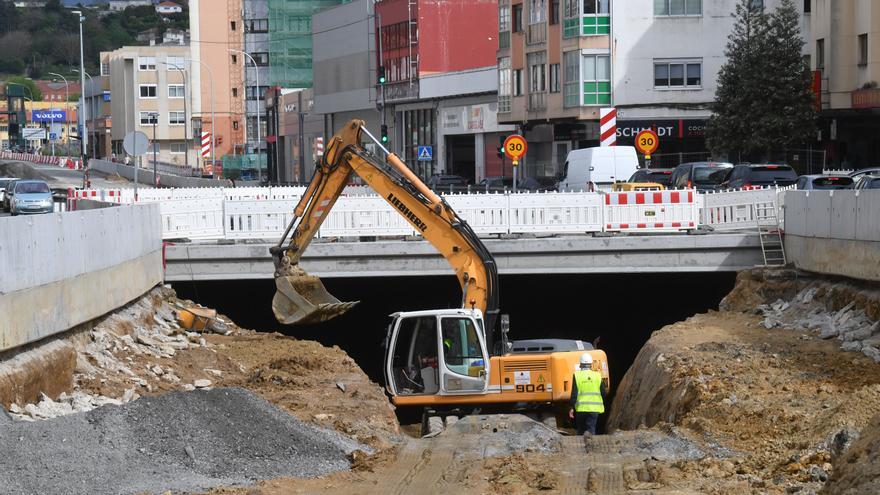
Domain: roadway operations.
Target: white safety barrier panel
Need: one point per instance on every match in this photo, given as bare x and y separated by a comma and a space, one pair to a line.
192, 218
364, 216
735, 209
651, 211
249, 219
485, 213
555, 212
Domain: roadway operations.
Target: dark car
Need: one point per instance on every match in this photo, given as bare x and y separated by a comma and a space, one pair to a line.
865, 171
662, 176
702, 176
824, 182
496, 183
868, 182
751, 175
447, 182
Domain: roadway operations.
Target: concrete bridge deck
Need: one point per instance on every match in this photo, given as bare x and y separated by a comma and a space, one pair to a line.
515, 256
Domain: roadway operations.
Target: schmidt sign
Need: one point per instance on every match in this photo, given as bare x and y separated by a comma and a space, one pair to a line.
49, 116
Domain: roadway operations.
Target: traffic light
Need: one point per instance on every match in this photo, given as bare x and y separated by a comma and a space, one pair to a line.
380, 74
501, 146
384, 133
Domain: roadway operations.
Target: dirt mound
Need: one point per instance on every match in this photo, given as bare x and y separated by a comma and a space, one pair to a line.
21, 170
858, 471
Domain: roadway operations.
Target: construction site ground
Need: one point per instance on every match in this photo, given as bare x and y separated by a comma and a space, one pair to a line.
723, 402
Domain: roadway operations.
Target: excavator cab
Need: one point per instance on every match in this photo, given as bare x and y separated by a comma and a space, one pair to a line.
440, 352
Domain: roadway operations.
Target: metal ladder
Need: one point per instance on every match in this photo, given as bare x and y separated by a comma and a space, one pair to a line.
769, 233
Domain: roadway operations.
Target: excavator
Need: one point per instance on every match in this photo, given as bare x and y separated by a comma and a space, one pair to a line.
446, 361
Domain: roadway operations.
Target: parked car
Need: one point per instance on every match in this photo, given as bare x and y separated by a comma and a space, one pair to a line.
30, 196
751, 175
442, 182
662, 176
865, 171
702, 176
868, 182
598, 168
496, 183
824, 182
4, 181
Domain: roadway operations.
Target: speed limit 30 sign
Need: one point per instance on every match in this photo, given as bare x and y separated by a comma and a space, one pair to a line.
515, 147
647, 142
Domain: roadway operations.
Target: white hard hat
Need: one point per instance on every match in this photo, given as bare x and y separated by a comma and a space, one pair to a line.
586, 359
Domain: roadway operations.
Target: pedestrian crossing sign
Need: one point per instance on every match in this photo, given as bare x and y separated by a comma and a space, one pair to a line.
426, 153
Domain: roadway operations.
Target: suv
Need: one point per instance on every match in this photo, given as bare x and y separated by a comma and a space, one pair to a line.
702, 176
753, 176
824, 182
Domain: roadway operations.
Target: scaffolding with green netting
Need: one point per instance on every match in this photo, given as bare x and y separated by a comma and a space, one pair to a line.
243, 167
290, 41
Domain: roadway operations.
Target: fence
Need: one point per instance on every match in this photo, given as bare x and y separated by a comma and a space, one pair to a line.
735, 209
61, 161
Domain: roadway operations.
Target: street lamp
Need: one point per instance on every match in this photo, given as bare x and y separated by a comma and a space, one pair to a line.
185, 121
85, 105
84, 136
66, 106
213, 121
257, 78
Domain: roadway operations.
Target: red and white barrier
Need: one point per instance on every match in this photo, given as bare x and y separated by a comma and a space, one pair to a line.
48, 160
651, 211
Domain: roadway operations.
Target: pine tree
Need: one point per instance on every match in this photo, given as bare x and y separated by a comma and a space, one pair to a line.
763, 101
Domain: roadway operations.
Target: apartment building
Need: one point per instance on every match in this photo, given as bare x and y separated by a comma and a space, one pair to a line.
655, 61
256, 43
845, 37
99, 117
146, 88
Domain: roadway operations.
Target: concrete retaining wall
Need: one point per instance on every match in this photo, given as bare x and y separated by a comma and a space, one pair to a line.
145, 176
63, 269
834, 232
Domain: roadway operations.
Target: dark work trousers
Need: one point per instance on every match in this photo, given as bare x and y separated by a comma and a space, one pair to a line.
586, 422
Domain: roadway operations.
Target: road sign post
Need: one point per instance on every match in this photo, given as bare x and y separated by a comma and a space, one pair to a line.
515, 146
135, 143
647, 143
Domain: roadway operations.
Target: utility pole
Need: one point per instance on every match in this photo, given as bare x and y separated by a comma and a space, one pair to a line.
155, 118
84, 136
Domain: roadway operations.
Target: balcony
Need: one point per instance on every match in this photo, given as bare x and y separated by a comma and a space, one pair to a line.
537, 33
866, 98
537, 101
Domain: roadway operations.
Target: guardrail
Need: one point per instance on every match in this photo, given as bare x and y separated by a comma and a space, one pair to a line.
263, 212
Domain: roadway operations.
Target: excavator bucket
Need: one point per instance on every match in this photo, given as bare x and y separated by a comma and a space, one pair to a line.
302, 299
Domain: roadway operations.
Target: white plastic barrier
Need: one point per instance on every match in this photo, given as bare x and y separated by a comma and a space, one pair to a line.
651, 211
364, 216
732, 210
249, 219
485, 213
555, 212
192, 218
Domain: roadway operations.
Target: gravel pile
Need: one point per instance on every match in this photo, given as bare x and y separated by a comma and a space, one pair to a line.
181, 441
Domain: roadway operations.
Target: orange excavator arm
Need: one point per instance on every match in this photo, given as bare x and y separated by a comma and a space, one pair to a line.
302, 298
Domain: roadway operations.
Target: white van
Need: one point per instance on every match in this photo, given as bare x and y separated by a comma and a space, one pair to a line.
596, 169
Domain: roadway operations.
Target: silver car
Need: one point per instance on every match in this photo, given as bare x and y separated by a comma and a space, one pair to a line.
30, 196
4, 183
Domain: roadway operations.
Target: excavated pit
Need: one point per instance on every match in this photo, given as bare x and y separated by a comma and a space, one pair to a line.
621, 310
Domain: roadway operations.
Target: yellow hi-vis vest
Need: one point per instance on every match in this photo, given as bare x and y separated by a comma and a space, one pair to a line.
589, 397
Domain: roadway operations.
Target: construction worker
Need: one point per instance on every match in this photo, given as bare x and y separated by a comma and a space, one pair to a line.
587, 397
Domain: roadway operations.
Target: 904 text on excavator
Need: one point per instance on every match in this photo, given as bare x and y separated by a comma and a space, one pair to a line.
446, 361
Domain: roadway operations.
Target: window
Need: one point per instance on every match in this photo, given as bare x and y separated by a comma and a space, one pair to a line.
678, 7
678, 75
149, 118
261, 58
596, 7
596, 74
571, 82
504, 84
105, 68
177, 147
176, 91
503, 25
554, 78
235, 125
863, 50
176, 118
234, 59
807, 6
517, 82
256, 25
146, 63
235, 92
537, 72
820, 54
232, 25
756, 5
461, 346
554, 11
537, 11
517, 18
175, 63
148, 90
251, 92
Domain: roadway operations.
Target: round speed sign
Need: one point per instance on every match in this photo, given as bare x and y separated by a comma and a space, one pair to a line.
515, 147
647, 142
